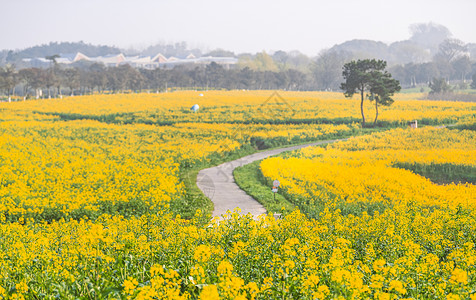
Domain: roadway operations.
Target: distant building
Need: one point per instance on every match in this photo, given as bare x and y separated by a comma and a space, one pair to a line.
159, 58
145, 62
71, 58
227, 62
112, 60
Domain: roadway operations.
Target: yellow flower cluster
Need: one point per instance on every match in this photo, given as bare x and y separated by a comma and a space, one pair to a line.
427, 254
83, 167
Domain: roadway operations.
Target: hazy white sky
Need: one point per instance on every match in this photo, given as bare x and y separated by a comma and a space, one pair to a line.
240, 26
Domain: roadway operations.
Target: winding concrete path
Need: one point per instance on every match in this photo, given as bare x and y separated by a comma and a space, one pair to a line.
218, 183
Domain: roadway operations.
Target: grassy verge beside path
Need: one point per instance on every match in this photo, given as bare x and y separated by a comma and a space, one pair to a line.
249, 179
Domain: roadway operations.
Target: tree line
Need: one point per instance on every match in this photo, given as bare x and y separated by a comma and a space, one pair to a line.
263, 71
56, 80
451, 63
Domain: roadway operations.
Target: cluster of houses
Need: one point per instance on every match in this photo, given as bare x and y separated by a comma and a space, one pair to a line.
146, 62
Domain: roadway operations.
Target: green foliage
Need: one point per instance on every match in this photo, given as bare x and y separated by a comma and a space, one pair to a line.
465, 126
439, 85
383, 87
369, 76
250, 179
261, 62
8, 79
359, 75
192, 199
473, 84
442, 173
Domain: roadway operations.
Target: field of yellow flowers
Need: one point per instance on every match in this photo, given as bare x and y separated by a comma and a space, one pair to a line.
400, 167
89, 187
53, 169
244, 107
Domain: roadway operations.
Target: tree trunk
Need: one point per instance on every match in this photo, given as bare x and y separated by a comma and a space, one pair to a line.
362, 106
376, 112
25, 92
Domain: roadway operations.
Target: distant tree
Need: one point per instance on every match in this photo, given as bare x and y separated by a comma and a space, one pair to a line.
451, 49
368, 76
199, 76
163, 78
264, 62
230, 80
49, 79
462, 66
246, 78
272, 80
297, 60
382, 88
429, 35
214, 74
71, 79
31, 78
114, 83
148, 75
97, 77
86, 86
53, 58
405, 52
280, 57
2, 79
326, 70
9, 79
179, 77
63, 47
427, 71
473, 84
124, 77
136, 80
444, 67
295, 79
220, 53
117, 78
412, 75
60, 79
178, 50
245, 60
439, 85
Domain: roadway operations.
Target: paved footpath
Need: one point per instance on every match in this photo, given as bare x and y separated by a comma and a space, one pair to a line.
219, 185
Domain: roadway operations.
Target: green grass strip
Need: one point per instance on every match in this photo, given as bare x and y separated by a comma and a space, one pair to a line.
250, 180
